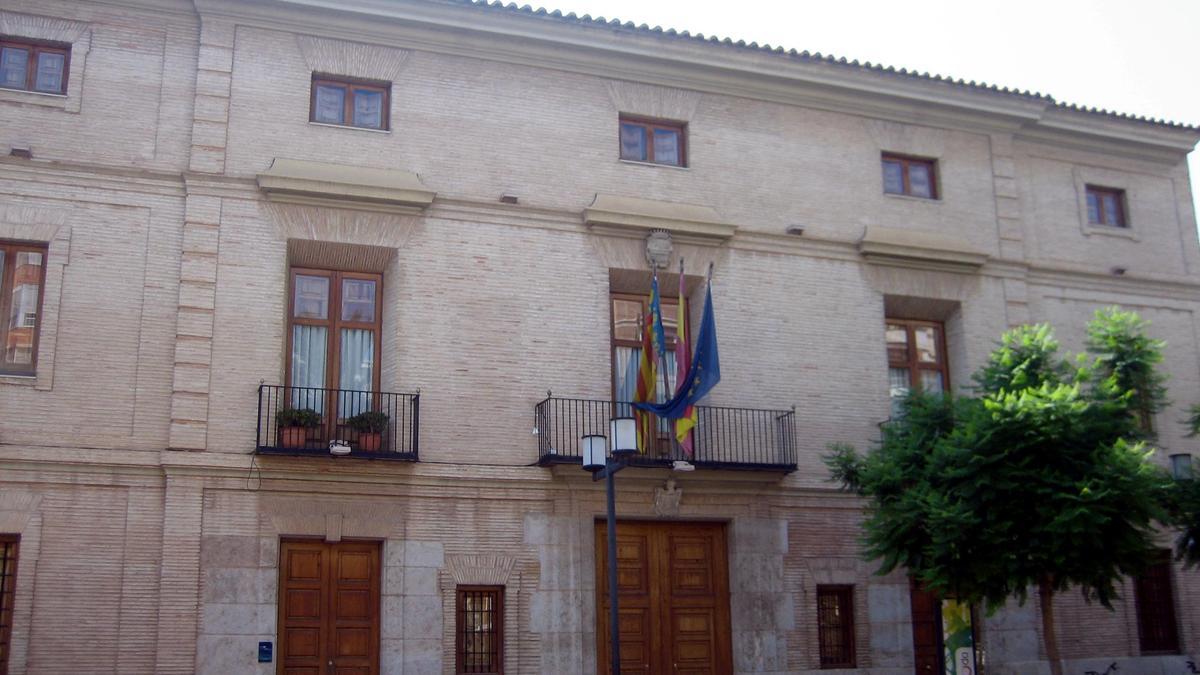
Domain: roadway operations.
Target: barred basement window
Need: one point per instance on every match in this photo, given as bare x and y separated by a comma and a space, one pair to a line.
1157, 630
8, 586
479, 628
835, 626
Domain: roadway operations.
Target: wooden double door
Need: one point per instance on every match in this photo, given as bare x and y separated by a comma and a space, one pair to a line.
328, 608
673, 598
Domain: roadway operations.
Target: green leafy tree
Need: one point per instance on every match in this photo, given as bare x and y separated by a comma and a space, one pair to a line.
1183, 504
1041, 481
1125, 361
1193, 421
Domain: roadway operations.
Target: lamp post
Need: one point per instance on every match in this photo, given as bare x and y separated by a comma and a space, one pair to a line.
623, 431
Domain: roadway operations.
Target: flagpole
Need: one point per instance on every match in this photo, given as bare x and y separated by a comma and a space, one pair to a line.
679, 331
662, 356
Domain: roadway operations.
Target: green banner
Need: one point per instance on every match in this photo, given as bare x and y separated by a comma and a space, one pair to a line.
958, 638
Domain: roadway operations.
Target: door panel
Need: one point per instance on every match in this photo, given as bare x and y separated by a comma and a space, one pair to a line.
329, 608
674, 596
302, 571
697, 603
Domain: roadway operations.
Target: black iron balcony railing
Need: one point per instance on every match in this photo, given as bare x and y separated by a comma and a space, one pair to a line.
309, 420
724, 438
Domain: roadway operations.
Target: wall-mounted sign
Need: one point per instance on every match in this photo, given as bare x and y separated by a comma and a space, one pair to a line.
264, 651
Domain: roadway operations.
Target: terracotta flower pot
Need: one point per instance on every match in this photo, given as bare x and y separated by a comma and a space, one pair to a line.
293, 437
370, 442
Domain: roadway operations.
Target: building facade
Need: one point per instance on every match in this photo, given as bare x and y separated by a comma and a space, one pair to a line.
233, 233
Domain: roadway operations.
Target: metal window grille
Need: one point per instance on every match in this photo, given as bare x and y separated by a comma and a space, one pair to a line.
480, 629
8, 582
835, 626
1157, 629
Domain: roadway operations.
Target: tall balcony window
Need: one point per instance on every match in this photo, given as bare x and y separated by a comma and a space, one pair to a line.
22, 276
916, 359
331, 402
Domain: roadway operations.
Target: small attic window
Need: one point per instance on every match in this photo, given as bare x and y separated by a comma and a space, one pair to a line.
34, 66
653, 141
350, 103
1106, 206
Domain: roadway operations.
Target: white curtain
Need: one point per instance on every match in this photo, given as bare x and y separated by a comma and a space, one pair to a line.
625, 372
309, 347
356, 371
898, 385
625, 376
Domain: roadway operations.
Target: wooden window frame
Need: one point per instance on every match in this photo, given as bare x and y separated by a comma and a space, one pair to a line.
913, 363
1161, 566
497, 592
665, 440
10, 547
649, 125
37, 47
1122, 215
334, 323
905, 162
637, 344
351, 85
845, 596
9, 251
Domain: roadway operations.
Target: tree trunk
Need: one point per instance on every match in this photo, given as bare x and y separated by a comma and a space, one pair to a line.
1046, 595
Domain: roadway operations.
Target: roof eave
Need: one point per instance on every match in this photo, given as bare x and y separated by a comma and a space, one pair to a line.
537, 39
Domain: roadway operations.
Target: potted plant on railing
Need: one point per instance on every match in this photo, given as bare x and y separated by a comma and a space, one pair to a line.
294, 423
370, 426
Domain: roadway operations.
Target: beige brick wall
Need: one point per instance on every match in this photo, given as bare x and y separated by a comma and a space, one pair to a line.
165, 308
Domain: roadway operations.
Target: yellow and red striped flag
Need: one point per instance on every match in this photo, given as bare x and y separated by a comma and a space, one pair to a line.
683, 357
646, 392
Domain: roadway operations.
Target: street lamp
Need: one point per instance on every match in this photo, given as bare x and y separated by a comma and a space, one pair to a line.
623, 431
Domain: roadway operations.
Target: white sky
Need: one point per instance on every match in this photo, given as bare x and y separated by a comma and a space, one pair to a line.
1138, 57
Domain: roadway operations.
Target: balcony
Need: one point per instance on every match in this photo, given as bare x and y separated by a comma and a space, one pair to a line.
309, 420
724, 438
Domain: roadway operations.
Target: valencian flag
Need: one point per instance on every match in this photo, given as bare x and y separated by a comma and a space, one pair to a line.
654, 339
685, 424
659, 334
646, 390
702, 375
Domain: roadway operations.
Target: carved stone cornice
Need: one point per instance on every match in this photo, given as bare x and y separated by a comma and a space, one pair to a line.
645, 215
297, 181
920, 249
